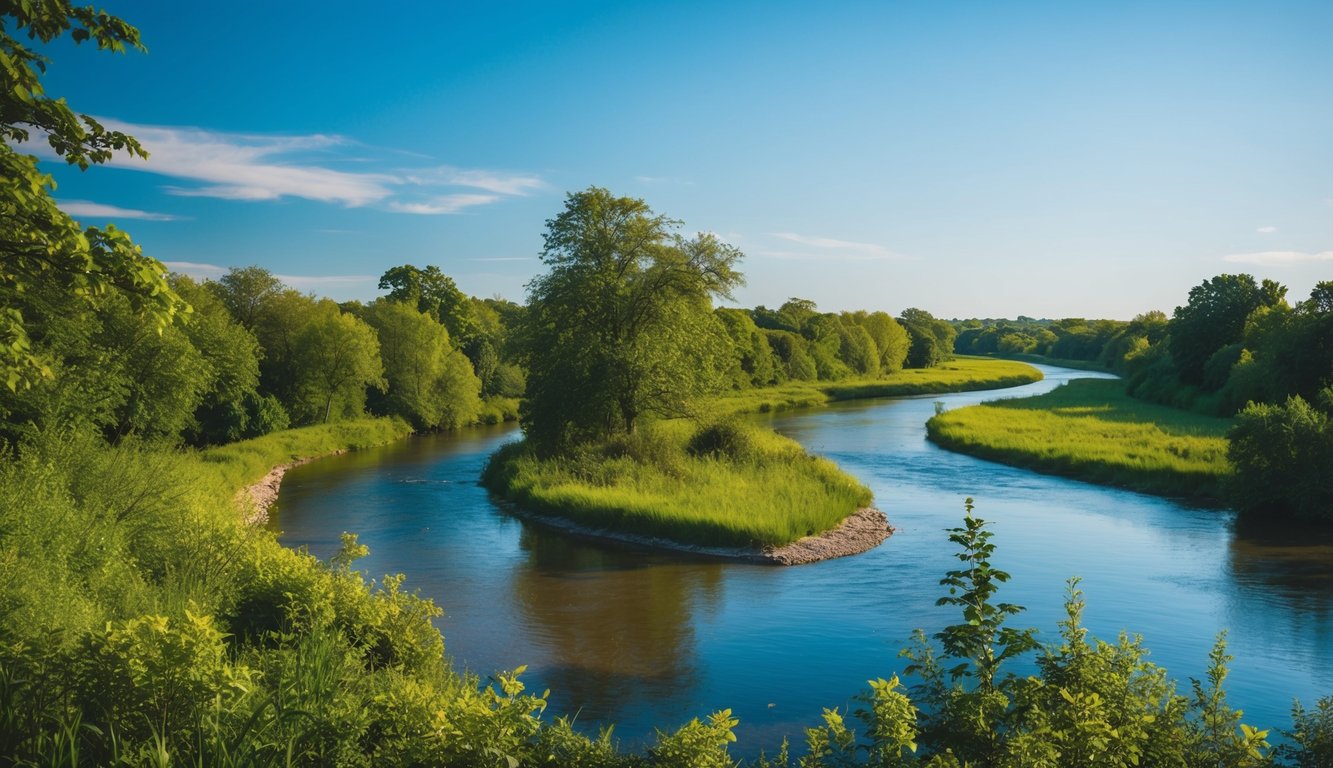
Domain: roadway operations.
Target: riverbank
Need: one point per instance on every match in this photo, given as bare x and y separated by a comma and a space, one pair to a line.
962, 374
861, 531
250, 471
1091, 430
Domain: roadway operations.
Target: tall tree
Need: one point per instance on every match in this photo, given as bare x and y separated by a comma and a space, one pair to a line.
1214, 318
621, 326
434, 293
338, 357
39, 244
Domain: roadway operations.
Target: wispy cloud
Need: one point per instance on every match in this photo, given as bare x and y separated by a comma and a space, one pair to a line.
195, 269
443, 204
1266, 230
301, 282
101, 210
1279, 258
829, 247
320, 167
491, 181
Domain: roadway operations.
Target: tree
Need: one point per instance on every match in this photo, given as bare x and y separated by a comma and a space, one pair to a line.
1215, 317
40, 244
890, 338
338, 356
931, 339
622, 325
428, 382
434, 293
247, 293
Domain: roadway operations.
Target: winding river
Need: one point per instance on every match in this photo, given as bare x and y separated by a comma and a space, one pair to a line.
644, 639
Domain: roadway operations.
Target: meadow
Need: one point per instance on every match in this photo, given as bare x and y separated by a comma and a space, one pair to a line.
1091, 430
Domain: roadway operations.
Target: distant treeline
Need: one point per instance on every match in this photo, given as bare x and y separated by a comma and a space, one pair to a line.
1236, 347
252, 355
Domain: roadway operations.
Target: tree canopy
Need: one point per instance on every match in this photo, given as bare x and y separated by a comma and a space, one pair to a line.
39, 243
622, 324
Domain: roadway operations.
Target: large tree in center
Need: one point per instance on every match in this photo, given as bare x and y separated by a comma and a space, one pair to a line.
622, 325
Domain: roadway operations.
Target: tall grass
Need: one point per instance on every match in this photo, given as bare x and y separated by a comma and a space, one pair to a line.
751, 488
237, 465
1091, 430
962, 374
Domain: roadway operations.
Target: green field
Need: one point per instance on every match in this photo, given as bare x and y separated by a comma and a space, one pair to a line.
962, 374
1091, 430
730, 485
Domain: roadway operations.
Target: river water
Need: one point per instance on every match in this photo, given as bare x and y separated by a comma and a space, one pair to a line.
645, 639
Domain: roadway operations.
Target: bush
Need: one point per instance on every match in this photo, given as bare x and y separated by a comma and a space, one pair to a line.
1283, 456
724, 439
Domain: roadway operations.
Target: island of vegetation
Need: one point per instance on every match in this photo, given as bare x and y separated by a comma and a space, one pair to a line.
143, 624
627, 431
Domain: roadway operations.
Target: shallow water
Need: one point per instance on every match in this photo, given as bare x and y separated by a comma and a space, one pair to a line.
646, 639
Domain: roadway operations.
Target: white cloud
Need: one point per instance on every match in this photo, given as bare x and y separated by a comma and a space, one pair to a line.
1266, 230
100, 210
443, 204
195, 269
255, 167
1278, 258
326, 281
845, 249
499, 182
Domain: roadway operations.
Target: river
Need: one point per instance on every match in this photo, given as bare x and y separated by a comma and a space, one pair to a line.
645, 639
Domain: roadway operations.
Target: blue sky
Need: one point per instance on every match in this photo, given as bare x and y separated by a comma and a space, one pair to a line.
987, 159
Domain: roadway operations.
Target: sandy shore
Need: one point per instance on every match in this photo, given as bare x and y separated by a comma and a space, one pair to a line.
861, 531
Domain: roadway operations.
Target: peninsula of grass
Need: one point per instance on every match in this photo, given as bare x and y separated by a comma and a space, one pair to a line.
725, 485
1091, 430
962, 374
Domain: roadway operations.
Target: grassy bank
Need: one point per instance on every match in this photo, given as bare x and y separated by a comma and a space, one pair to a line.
963, 374
1091, 430
237, 465
723, 485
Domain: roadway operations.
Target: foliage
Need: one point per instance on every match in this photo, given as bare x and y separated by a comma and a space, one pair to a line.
967, 700
432, 292
932, 340
428, 381
1090, 429
621, 324
338, 357
1215, 317
1283, 456
41, 247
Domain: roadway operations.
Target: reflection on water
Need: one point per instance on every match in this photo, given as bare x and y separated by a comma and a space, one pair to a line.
646, 639
570, 594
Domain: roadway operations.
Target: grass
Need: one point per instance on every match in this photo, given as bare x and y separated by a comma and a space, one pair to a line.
239, 464
961, 374
727, 485
1091, 430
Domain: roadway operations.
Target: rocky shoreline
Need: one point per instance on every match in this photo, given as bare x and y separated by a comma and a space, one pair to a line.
257, 498
861, 531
